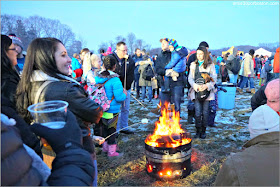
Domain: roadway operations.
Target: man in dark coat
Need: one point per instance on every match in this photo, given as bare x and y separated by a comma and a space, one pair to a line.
162, 60
125, 69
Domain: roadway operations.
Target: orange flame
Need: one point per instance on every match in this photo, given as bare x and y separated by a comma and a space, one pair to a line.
167, 126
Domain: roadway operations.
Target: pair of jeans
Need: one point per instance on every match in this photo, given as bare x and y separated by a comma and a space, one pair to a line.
150, 92
173, 97
167, 82
201, 113
232, 78
245, 79
123, 116
239, 83
136, 82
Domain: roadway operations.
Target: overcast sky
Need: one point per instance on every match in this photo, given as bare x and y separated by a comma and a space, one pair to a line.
220, 23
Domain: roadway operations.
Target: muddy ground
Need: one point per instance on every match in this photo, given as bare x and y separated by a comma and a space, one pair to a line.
207, 155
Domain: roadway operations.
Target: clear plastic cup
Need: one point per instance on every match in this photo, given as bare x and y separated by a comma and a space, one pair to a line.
51, 114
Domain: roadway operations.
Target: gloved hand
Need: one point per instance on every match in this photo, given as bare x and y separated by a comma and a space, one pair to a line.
60, 139
168, 72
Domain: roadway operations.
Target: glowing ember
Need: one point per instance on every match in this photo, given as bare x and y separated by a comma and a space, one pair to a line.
168, 131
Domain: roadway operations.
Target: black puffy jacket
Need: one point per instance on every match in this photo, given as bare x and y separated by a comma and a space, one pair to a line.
72, 167
259, 98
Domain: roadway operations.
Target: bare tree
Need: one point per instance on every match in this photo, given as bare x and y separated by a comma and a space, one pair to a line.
139, 44
131, 38
120, 39
103, 46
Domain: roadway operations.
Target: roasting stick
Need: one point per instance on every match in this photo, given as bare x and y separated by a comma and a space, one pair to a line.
125, 66
144, 121
139, 101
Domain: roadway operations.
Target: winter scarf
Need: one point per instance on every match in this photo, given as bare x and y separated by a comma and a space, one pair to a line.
39, 75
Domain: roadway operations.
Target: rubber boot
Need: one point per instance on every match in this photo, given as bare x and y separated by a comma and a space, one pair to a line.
190, 116
105, 147
253, 91
112, 151
203, 133
198, 132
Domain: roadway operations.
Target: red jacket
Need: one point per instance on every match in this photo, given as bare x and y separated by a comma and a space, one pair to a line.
276, 61
254, 63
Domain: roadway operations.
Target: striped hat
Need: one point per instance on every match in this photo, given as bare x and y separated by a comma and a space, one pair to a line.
173, 43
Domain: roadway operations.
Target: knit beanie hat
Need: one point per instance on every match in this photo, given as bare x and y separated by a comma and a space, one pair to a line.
272, 94
166, 39
263, 120
16, 41
173, 43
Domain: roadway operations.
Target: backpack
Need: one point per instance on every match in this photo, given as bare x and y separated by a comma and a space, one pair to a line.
268, 66
97, 94
148, 73
234, 65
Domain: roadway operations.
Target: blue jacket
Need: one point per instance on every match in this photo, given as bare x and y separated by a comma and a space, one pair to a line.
75, 65
112, 87
178, 60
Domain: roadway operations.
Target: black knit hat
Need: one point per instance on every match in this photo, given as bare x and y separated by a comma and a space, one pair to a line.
203, 44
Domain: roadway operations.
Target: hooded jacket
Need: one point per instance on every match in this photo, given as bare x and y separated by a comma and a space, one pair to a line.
276, 61
120, 70
257, 165
178, 60
113, 87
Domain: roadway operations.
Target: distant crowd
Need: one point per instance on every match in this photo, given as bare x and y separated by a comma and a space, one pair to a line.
99, 89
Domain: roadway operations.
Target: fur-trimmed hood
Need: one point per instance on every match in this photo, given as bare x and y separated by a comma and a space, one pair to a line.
99, 79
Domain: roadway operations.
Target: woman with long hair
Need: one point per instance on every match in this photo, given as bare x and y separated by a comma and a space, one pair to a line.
45, 77
114, 92
9, 81
9, 75
202, 64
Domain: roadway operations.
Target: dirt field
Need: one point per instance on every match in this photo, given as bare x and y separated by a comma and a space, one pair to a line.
207, 155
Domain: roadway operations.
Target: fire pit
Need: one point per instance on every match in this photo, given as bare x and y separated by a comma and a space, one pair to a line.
168, 149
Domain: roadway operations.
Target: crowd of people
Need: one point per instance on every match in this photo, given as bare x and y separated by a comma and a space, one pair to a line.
98, 89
